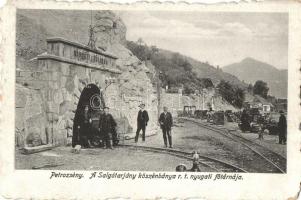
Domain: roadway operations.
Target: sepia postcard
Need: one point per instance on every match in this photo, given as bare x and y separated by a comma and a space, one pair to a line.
150, 100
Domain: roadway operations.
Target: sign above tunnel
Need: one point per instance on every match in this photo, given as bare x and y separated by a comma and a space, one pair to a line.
71, 52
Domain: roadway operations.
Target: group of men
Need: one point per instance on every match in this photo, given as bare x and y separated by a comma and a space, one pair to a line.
86, 136
165, 121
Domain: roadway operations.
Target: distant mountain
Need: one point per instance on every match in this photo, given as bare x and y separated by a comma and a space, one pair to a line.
205, 70
250, 70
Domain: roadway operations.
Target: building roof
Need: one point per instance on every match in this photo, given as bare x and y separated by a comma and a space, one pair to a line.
262, 100
257, 99
66, 60
79, 45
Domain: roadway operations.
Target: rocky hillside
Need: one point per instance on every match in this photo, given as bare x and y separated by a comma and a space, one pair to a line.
251, 70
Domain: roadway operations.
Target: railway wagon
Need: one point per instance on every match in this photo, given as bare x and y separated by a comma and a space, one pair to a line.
218, 118
189, 111
200, 114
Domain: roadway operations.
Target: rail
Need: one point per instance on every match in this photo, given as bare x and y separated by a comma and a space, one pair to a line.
276, 160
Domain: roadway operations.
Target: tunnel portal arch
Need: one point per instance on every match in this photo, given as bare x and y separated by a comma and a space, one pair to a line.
92, 96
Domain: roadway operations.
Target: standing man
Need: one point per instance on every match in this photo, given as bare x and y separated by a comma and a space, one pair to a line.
107, 125
82, 135
260, 122
245, 124
166, 122
282, 127
142, 120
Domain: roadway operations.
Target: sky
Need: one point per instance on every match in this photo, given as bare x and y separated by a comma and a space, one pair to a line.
217, 37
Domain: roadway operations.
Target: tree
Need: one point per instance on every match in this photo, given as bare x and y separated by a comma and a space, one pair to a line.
231, 94
154, 50
261, 89
239, 97
226, 90
140, 42
206, 82
250, 88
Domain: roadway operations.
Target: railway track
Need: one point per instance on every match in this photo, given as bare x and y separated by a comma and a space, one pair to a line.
214, 164
274, 159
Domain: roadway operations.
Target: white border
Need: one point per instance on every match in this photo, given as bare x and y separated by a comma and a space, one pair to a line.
27, 184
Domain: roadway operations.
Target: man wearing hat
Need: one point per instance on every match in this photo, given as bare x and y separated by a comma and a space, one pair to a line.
107, 126
282, 127
166, 122
142, 120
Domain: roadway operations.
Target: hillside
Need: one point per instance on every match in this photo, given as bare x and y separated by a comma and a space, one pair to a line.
251, 70
180, 69
205, 70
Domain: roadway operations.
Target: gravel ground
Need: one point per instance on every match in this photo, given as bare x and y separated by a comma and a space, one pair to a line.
269, 141
186, 136
119, 159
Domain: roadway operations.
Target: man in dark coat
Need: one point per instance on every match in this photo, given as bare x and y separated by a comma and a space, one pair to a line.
282, 127
142, 120
245, 124
82, 134
107, 125
166, 122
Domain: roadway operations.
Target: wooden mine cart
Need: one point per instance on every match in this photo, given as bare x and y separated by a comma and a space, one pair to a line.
189, 111
219, 118
201, 114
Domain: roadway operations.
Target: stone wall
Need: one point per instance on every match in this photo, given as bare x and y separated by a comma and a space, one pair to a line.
51, 98
176, 102
30, 117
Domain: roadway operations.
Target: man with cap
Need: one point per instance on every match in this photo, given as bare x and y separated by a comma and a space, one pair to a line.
166, 122
107, 126
142, 120
282, 126
82, 126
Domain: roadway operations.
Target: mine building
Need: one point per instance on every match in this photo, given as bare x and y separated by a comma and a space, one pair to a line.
47, 97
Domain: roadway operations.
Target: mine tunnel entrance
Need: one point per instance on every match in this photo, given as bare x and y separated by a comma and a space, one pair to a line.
93, 98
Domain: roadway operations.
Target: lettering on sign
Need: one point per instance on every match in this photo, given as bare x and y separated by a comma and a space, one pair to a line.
84, 56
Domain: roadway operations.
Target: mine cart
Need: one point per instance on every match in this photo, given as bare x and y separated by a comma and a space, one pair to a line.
200, 114
197, 114
229, 116
95, 120
271, 124
188, 111
219, 118
254, 114
94, 127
